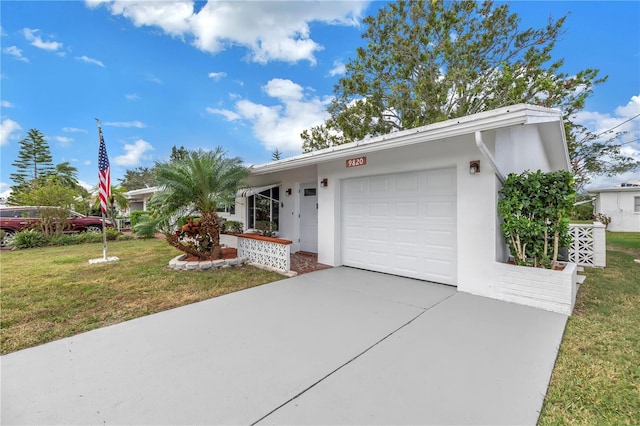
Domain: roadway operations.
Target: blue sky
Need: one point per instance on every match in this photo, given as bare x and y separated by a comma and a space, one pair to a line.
247, 76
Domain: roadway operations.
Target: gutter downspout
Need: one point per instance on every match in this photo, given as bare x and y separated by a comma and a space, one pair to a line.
484, 150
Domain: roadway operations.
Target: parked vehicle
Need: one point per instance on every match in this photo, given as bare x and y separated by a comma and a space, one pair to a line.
18, 218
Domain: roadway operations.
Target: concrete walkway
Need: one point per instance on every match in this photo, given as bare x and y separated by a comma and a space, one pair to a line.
338, 346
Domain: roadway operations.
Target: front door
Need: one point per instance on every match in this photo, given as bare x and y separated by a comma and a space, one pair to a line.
309, 217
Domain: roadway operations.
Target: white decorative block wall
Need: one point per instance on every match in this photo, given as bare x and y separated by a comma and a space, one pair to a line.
269, 253
588, 246
540, 288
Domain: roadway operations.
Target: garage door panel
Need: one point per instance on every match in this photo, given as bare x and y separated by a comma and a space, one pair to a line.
402, 224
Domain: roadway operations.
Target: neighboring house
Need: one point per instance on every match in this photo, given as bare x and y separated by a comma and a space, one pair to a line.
621, 204
138, 198
419, 203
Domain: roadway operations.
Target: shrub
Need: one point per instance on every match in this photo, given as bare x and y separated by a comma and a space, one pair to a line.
63, 240
603, 219
113, 234
535, 209
266, 228
138, 216
28, 239
232, 227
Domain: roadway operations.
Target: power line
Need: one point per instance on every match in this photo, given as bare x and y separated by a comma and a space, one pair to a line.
615, 127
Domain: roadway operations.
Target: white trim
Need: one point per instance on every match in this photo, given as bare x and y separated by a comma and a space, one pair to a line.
247, 192
520, 114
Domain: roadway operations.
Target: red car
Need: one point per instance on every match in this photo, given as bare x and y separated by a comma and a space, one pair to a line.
18, 218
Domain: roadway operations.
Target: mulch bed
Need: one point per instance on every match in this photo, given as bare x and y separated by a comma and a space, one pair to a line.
227, 253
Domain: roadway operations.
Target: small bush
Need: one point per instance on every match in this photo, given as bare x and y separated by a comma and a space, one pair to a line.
126, 237
232, 227
267, 228
603, 219
63, 240
138, 216
113, 234
28, 239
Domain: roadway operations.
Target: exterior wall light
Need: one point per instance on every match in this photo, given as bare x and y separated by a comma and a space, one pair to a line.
288, 191
324, 182
474, 167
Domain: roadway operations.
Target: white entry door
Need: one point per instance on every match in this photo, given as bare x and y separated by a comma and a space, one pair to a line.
309, 217
402, 224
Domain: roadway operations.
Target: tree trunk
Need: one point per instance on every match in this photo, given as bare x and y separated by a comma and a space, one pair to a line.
174, 241
209, 221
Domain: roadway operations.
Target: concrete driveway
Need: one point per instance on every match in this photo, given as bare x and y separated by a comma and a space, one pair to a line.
339, 346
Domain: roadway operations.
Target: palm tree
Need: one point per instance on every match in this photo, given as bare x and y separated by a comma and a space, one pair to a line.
196, 184
66, 174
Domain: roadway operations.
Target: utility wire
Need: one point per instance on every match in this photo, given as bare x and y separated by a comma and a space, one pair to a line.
615, 127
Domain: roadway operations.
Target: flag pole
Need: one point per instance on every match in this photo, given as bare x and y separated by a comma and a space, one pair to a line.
104, 226
104, 192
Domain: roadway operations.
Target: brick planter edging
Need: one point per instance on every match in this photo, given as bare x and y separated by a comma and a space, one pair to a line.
178, 264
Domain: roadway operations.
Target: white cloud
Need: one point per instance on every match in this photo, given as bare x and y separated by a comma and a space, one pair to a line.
216, 76
280, 126
36, 40
283, 89
152, 78
134, 153
338, 69
8, 130
229, 115
73, 130
6, 104
132, 97
87, 162
85, 185
15, 52
271, 31
624, 119
89, 60
137, 124
63, 140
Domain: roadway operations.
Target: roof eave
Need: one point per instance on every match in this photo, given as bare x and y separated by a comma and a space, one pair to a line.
503, 117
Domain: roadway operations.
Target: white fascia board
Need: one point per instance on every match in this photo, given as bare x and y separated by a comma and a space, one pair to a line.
142, 191
615, 189
503, 117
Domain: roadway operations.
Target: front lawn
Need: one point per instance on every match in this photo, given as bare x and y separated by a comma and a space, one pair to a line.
596, 380
53, 292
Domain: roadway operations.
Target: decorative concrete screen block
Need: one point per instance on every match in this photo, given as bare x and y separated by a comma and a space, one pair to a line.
273, 253
588, 246
537, 287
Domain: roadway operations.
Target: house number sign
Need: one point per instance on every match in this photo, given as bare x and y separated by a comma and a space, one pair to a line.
355, 162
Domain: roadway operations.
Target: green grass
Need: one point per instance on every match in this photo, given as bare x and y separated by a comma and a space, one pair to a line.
596, 379
53, 292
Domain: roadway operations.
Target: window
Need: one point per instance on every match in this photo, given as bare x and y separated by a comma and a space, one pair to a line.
264, 207
227, 209
310, 192
636, 204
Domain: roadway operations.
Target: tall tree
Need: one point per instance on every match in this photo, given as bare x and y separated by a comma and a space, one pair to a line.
34, 160
429, 61
178, 153
66, 174
197, 184
276, 155
138, 178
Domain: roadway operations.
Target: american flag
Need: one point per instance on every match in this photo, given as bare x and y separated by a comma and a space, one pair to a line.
104, 175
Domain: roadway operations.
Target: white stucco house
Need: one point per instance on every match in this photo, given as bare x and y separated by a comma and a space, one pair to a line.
621, 204
138, 198
419, 203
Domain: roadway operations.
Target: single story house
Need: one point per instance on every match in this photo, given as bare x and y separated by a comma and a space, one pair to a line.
621, 204
420, 203
138, 198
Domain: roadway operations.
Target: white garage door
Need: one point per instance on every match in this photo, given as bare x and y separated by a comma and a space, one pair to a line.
402, 224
